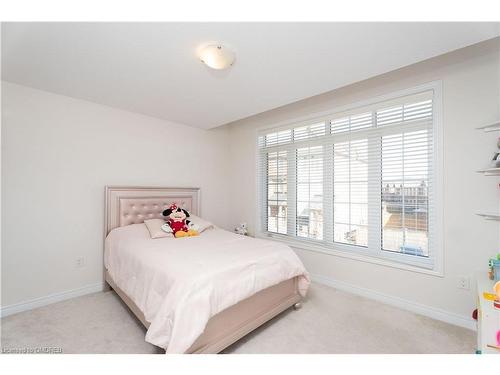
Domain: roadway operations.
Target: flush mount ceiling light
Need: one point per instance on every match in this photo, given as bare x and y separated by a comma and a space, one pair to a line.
217, 56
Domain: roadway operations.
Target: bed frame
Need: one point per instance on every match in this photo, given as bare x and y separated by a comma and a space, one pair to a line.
132, 205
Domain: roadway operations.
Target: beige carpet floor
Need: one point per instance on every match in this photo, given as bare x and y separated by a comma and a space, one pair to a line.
330, 321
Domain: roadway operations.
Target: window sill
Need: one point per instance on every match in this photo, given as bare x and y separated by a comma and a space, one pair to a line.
341, 251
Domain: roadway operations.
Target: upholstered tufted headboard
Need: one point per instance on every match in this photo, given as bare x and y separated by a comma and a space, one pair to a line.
132, 205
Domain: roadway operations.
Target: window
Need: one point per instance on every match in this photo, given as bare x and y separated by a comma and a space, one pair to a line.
362, 181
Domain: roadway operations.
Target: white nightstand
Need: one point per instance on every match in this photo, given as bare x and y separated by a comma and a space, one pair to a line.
488, 318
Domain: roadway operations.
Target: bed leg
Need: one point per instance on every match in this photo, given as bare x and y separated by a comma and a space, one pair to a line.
106, 287
297, 306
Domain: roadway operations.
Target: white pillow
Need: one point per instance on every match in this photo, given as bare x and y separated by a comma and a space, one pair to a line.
199, 223
154, 227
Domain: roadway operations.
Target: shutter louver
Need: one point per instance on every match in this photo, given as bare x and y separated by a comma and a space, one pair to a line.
309, 131
352, 123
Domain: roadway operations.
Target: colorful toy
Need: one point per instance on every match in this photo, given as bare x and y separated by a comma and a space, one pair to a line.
242, 229
177, 222
494, 271
496, 300
489, 296
474, 314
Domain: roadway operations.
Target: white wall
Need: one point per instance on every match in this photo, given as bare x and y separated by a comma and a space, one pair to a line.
58, 153
470, 98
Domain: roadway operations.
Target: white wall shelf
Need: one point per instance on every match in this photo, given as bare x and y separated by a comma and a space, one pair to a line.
489, 215
490, 171
491, 127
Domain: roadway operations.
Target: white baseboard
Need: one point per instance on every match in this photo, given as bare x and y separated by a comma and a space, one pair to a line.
431, 312
52, 298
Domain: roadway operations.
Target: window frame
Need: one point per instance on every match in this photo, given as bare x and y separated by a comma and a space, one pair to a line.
432, 265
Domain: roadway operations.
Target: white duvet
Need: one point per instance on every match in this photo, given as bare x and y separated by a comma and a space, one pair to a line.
180, 283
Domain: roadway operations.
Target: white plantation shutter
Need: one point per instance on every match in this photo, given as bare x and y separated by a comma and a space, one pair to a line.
277, 183
350, 192
309, 194
406, 167
361, 180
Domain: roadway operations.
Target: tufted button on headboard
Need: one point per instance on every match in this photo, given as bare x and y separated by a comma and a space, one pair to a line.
133, 205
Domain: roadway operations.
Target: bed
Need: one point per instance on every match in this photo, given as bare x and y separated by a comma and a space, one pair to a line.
179, 289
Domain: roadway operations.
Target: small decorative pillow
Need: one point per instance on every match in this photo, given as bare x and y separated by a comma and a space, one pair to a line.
154, 227
199, 224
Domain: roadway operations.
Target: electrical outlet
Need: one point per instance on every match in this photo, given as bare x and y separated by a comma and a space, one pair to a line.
463, 282
80, 262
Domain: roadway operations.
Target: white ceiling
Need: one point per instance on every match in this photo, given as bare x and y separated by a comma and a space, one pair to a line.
152, 68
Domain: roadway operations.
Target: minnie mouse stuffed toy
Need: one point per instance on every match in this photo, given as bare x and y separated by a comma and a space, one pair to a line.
177, 222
